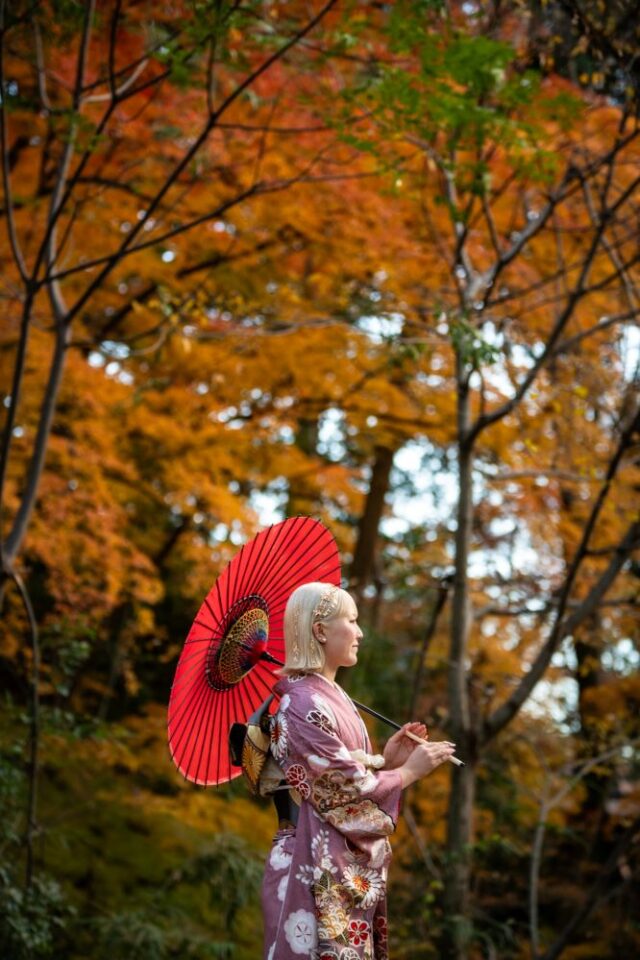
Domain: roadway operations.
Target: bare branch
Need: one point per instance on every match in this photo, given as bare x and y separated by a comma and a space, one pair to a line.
547, 804
6, 179
258, 189
566, 186
599, 889
441, 598
117, 256
117, 92
562, 628
7, 433
42, 74
573, 299
510, 475
634, 300
565, 345
27, 503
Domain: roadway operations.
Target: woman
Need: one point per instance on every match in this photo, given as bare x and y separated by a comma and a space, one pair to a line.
324, 891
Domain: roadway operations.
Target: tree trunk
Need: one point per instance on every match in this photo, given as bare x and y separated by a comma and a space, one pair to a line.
458, 867
303, 488
460, 819
14, 541
364, 555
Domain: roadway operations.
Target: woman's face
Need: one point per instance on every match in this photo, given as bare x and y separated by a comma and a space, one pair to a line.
342, 637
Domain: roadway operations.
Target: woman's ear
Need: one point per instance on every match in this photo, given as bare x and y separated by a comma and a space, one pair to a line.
318, 633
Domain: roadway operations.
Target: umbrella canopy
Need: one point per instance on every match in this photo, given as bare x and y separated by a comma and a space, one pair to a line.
223, 674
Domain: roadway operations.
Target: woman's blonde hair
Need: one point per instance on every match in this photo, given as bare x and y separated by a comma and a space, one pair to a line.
311, 603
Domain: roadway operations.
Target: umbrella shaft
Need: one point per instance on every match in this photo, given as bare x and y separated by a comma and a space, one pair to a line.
361, 706
374, 713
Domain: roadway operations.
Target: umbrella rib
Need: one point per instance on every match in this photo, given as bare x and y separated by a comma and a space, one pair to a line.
223, 726
186, 721
207, 626
194, 734
274, 535
206, 639
237, 715
179, 678
186, 686
317, 568
305, 544
219, 595
216, 743
227, 605
250, 683
318, 559
253, 561
257, 677
188, 675
272, 570
180, 718
218, 622
232, 579
205, 720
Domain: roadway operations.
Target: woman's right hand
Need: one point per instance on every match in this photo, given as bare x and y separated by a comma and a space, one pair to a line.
425, 758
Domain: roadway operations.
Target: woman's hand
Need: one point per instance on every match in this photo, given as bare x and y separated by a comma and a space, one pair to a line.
399, 747
425, 758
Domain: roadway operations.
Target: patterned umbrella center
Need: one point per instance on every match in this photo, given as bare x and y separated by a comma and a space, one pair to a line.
243, 643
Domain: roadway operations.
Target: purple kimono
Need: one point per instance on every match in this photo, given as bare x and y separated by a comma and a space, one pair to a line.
324, 890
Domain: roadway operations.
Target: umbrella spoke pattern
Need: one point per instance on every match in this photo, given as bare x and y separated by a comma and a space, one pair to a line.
222, 676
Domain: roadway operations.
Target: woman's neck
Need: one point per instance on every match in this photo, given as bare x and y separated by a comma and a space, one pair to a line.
328, 674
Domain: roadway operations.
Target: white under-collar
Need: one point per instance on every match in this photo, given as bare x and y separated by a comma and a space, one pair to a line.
331, 683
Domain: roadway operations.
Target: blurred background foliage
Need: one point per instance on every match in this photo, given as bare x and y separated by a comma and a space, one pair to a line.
349, 260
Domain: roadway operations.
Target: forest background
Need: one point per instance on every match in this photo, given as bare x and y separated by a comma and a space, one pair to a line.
374, 263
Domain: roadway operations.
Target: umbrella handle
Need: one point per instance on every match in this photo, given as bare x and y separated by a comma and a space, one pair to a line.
374, 713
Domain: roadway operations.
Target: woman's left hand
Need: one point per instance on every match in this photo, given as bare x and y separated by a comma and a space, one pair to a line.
399, 747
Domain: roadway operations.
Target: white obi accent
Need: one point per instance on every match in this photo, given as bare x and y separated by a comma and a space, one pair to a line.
374, 761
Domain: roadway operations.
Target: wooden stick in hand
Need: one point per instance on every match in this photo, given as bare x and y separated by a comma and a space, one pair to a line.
412, 736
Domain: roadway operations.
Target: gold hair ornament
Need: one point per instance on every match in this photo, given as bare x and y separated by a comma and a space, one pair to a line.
324, 604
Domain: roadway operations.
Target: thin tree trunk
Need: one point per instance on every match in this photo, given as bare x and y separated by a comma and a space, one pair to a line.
303, 489
460, 820
364, 555
7, 434
34, 732
45, 420
534, 880
441, 599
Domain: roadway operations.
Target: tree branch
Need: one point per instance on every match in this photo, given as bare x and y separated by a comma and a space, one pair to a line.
597, 891
562, 628
6, 179
578, 292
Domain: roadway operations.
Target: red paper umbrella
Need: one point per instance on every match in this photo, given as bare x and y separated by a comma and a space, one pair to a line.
224, 673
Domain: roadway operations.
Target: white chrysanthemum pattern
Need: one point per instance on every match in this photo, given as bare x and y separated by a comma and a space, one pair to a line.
365, 885
279, 859
279, 736
300, 931
282, 887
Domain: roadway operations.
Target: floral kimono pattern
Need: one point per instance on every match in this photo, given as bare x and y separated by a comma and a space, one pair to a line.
324, 890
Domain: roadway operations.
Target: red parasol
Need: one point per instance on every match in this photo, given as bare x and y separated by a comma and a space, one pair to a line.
224, 673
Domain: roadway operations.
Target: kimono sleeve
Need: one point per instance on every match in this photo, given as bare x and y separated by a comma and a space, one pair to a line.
355, 800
